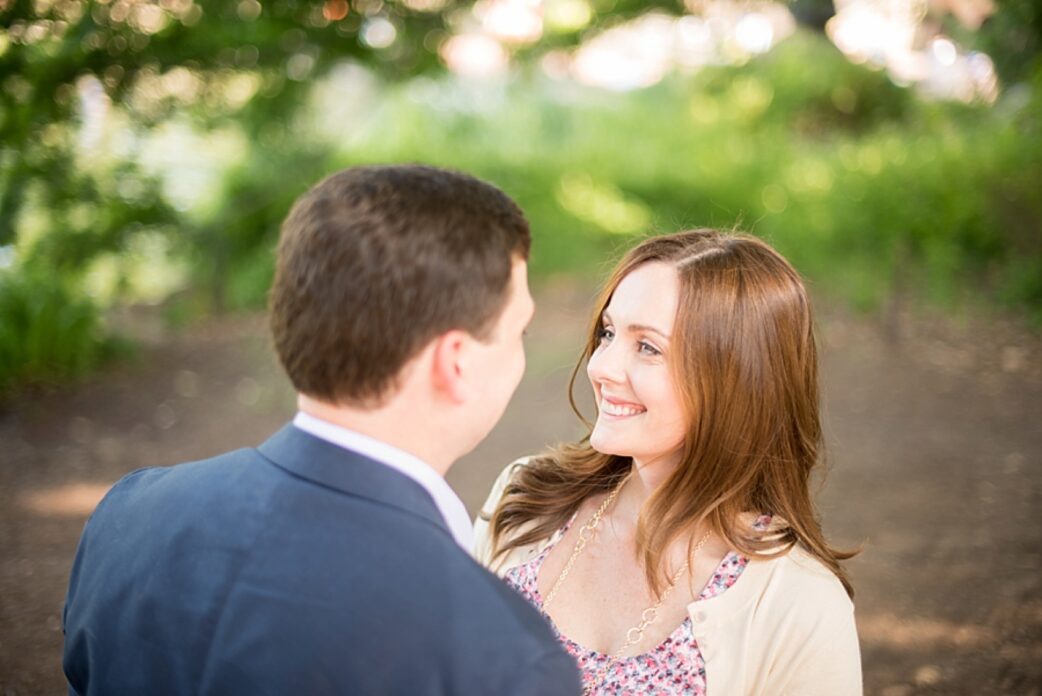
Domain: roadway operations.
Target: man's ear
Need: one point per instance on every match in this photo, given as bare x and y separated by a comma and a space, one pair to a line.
447, 365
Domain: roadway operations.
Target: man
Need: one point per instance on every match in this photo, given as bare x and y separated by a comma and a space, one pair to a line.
330, 560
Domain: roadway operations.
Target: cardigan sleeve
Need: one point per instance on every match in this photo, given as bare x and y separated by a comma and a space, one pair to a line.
826, 660
482, 529
831, 661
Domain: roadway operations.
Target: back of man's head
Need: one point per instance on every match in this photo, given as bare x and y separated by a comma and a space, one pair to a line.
375, 262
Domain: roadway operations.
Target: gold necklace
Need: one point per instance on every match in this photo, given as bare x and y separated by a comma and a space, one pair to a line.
647, 617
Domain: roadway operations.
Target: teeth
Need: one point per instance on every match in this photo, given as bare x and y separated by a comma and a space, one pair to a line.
619, 410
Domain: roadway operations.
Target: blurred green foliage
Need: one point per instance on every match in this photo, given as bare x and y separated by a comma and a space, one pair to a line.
872, 192
869, 190
1012, 35
237, 63
48, 333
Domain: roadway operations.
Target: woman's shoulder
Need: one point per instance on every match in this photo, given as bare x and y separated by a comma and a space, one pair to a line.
512, 469
820, 634
790, 615
500, 484
482, 523
791, 566
805, 581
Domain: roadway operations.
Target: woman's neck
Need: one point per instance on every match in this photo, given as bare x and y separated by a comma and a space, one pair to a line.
643, 480
647, 476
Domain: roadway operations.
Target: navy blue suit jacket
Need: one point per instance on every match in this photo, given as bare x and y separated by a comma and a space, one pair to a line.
294, 568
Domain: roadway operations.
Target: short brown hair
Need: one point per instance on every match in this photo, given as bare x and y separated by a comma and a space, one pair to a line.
375, 262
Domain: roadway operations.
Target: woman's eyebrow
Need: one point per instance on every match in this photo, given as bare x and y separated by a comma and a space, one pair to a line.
647, 329
636, 328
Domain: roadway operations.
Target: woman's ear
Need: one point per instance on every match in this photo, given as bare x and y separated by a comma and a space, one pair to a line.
448, 363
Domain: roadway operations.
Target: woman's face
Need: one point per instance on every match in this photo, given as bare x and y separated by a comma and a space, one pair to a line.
640, 413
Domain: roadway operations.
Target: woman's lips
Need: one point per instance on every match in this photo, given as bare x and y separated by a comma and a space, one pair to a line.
620, 409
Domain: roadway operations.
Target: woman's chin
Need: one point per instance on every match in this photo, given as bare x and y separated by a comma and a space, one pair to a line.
605, 445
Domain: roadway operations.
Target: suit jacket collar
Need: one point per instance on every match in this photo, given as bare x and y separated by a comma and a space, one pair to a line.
313, 459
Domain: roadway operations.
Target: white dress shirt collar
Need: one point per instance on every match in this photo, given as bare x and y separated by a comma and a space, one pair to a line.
445, 499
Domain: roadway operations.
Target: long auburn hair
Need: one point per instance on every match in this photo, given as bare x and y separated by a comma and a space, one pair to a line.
744, 358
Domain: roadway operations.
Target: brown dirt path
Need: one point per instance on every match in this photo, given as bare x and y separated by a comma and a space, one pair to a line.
935, 448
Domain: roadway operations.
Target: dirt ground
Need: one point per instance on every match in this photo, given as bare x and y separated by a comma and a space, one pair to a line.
934, 450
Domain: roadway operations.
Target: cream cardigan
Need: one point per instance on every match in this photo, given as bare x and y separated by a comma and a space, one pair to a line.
786, 628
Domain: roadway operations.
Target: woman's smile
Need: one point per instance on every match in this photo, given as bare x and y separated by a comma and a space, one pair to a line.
616, 409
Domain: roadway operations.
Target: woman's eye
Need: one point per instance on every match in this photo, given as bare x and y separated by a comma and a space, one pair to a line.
605, 335
648, 349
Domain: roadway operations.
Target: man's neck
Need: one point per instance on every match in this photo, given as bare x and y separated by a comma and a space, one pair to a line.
388, 424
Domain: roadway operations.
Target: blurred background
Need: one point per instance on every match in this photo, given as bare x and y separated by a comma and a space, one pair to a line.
892, 149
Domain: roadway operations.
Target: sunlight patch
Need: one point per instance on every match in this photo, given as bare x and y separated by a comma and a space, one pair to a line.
74, 500
910, 632
602, 204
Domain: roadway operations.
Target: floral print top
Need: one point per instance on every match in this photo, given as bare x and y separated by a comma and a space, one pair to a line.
675, 666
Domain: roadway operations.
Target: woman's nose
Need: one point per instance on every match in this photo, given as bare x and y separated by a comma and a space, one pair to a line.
606, 365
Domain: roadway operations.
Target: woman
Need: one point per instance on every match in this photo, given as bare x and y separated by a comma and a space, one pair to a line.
676, 549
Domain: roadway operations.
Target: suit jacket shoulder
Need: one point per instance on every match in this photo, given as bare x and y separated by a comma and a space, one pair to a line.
295, 567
